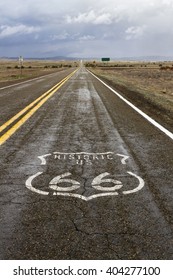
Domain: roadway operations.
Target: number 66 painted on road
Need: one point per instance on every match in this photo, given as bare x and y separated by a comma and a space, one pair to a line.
75, 185
96, 184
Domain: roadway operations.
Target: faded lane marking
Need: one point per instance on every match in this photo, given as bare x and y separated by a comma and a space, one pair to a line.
43, 99
152, 121
28, 81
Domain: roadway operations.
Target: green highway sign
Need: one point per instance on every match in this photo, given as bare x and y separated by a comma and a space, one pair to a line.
105, 59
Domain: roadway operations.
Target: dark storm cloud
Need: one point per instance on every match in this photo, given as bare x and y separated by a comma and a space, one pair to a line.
86, 28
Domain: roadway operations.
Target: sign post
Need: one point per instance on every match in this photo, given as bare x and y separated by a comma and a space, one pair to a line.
21, 64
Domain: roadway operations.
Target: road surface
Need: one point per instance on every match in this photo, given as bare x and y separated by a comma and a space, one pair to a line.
83, 175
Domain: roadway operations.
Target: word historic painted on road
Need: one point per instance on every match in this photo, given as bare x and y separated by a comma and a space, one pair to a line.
82, 157
103, 184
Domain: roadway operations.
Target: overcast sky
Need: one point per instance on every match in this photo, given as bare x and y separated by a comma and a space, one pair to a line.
86, 28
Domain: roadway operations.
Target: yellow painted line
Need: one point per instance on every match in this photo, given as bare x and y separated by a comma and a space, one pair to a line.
5, 125
14, 128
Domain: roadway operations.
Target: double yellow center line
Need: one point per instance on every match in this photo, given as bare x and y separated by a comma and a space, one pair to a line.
19, 119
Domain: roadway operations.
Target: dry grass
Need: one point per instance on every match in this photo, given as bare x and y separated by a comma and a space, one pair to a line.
147, 77
10, 70
152, 81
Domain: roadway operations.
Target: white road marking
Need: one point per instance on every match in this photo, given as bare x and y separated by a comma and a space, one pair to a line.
99, 180
43, 160
76, 185
123, 161
84, 153
152, 121
57, 180
24, 82
84, 197
31, 188
83, 157
139, 187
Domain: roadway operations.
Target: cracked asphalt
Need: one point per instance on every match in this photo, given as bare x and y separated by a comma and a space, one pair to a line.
85, 177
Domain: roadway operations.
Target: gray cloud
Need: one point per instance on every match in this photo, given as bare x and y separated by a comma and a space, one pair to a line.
8, 31
134, 32
91, 17
86, 28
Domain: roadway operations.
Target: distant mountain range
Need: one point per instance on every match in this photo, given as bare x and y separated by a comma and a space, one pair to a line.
147, 58
60, 58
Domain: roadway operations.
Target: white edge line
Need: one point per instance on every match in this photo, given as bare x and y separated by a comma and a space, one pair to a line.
30, 80
156, 124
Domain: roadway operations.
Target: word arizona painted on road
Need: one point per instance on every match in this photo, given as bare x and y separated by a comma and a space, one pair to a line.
83, 157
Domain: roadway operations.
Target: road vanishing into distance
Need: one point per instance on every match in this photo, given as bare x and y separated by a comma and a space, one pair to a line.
83, 175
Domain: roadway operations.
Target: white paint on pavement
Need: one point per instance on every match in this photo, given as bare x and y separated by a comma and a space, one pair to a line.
31, 188
62, 185
43, 160
59, 191
83, 157
99, 180
139, 187
27, 81
84, 197
124, 158
59, 179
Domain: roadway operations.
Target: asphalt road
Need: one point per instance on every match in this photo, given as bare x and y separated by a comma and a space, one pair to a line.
83, 175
